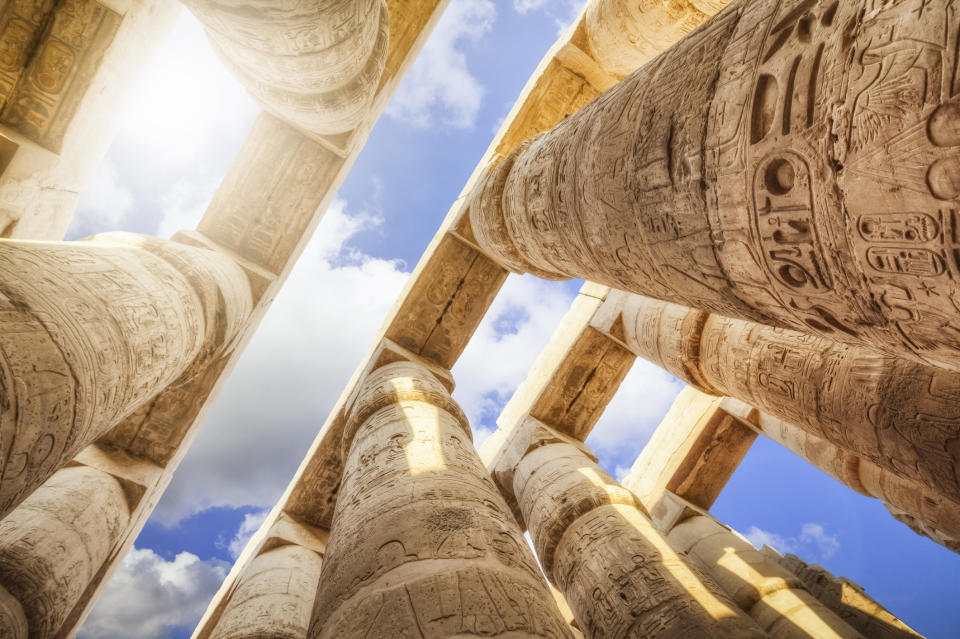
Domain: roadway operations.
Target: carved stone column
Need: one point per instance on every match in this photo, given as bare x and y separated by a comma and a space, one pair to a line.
90, 330
925, 511
847, 599
422, 544
894, 413
274, 598
53, 545
770, 594
793, 163
315, 64
623, 35
617, 573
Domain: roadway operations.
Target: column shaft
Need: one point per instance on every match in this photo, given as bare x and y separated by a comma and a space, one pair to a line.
274, 598
848, 600
792, 163
624, 35
894, 413
422, 544
90, 330
926, 512
618, 574
318, 67
770, 594
55, 542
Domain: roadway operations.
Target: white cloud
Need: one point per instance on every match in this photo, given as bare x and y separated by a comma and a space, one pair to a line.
149, 594
106, 201
642, 400
439, 89
250, 524
299, 360
523, 6
812, 544
563, 12
514, 331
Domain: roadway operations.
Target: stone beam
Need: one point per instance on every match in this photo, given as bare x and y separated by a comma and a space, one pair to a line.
574, 378
747, 172
892, 412
91, 330
57, 119
446, 297
695, 449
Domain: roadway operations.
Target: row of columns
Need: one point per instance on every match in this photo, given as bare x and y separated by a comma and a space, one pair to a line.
893, 413
402, 456
747, 172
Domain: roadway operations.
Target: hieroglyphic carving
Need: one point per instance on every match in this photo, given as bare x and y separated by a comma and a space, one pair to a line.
274, 597
45, 95
892, 412
318, 67
93, 329
268, 200
618, 574
422, 544
21, 27
789, 163
847, 599
769, 593
53, 545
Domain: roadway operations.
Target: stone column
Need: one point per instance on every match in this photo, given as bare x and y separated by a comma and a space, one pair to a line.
847, 599
926, 512
624, 35
274, 597
894, 413
791, 163
52, 547
769, 593
316, 65
422, 544
90, 330
617, 573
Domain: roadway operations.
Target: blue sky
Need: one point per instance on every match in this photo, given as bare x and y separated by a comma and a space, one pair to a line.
183, 124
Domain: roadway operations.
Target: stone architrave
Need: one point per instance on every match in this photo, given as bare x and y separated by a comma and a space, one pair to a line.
52, 547
794, 163
316, 65
773, 596
274, 597
422, 544
847, 599
895, 413
618, 574
91, 330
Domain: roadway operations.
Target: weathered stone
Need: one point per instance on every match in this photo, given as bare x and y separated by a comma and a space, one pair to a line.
274, 597
790, 163
91, 330
316, 65
624, 35
847, 599
422, 544
892, 412
54, 543
770, 594
618, 574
